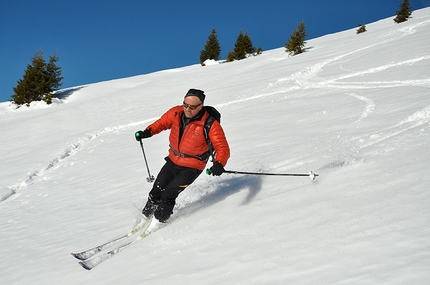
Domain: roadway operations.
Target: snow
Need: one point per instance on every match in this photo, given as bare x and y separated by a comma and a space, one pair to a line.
210, 62
354, 109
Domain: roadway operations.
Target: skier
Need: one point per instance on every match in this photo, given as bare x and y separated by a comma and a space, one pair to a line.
188, 153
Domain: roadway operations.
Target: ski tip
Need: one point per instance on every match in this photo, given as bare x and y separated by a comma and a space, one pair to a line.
84, 266
77, 256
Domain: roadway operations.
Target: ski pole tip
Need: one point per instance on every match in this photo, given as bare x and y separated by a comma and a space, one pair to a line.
312, 175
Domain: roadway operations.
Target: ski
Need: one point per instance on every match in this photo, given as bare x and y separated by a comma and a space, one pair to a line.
151, 227
93, 251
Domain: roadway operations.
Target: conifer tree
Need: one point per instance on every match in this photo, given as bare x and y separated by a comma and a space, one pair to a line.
247, 44
404, 13
230, 56
243, 46
212, 48
39, 82
54, 73
238, 51
297, 40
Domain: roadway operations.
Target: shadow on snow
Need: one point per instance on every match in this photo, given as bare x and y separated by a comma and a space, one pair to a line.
225, 189
65, 93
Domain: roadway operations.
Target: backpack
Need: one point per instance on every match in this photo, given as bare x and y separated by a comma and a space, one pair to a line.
213, 115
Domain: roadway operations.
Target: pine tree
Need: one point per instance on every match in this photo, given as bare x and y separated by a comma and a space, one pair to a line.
243, 46
212, 48
297, 40
247, 44
30, 86
404, 13
230, 56
39, 82
54, 73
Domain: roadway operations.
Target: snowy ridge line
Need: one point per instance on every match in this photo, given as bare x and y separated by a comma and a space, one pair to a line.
69, 151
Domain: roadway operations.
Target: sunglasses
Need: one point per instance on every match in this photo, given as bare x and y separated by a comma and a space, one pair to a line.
192, 107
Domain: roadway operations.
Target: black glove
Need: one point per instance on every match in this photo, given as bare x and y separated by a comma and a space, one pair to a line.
217, 169
143, 134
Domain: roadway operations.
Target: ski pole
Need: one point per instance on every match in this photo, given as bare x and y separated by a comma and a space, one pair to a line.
310, 174
150, 177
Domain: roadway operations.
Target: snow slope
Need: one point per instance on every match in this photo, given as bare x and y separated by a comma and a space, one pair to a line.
354, 108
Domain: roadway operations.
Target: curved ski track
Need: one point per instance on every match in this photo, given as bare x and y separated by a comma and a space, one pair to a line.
69, 151
307, 79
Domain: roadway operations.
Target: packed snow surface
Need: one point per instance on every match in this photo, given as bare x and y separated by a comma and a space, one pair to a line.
354, 108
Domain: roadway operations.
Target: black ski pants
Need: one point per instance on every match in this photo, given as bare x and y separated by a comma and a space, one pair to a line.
170, 181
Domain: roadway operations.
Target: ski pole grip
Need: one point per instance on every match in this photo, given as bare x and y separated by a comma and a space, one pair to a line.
208, 171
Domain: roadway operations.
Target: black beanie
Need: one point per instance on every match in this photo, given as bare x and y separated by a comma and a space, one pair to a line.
196, 92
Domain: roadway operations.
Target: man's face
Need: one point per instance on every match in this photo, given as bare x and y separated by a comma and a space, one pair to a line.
191, 102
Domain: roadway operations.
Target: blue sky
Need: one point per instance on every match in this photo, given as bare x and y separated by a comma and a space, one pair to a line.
100, 40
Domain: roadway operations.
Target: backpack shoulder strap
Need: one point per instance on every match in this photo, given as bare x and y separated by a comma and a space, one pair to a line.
208, 124
213, 115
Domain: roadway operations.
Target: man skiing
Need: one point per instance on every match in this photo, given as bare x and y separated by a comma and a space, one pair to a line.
188, 154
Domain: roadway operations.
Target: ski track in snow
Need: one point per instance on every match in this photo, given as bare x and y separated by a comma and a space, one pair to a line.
69, 151
300, 80
370, 106
304, 80
413, 121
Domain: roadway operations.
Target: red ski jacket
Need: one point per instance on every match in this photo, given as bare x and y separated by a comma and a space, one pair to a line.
185, 150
